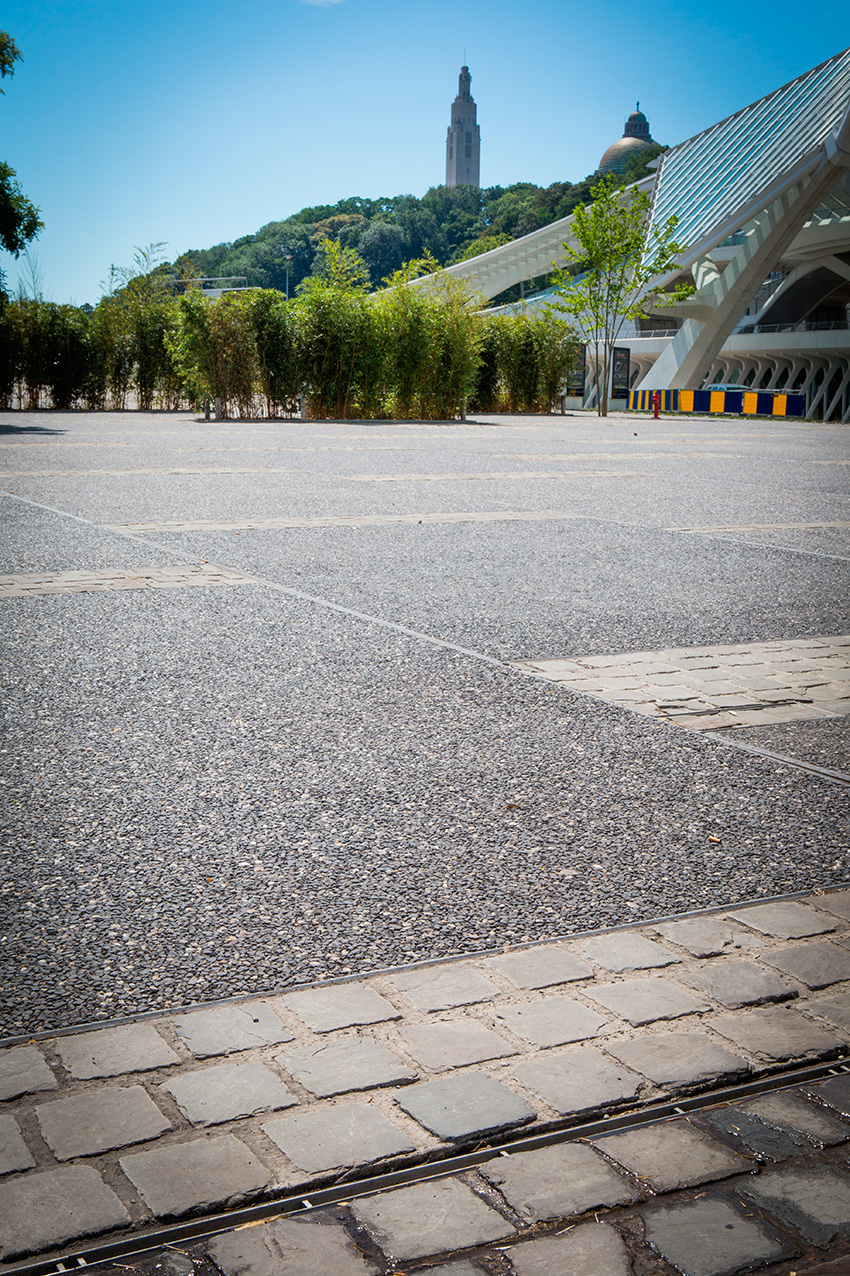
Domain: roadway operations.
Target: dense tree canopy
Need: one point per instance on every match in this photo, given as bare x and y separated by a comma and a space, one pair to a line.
450, 223
19, 219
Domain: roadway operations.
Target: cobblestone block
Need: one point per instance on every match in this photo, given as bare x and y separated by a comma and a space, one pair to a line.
815, 1201
209, 1096
835, 1092
14, 1153
835, 902
289, 1247
438, 1046
784, 920
452, 1269
576, 1082
541, 967
678, 1059
738, 983
42, 1210
443, 987
354, 1063
552, 1021
109, 1052
712, 1238
349, 1134
24, 1070
226, 1029
460, 1107
753, 1134
558, 1182
776, 1033
707, 936
672, 1155
641, 1001
339, 1006
836, 1010
186, 1177
591, 1247
88, 1123
623, 950
815, 965
792, 1114
429, 1218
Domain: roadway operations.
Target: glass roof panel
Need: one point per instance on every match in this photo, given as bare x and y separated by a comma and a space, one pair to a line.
708, 178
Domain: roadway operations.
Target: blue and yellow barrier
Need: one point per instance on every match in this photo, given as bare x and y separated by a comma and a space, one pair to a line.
745, 402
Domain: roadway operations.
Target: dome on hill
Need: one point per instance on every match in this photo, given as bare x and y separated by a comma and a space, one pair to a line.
635, 138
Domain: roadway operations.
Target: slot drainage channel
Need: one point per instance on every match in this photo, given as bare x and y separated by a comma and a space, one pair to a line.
297, 1202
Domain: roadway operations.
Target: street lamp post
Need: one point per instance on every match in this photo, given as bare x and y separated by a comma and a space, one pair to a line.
287, 257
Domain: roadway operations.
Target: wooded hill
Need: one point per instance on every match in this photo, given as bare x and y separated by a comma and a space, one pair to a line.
451, 223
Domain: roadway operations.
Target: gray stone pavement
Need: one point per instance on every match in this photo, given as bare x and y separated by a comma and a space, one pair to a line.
133, 1125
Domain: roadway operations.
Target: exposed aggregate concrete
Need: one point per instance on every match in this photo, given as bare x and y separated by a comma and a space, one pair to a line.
210, 792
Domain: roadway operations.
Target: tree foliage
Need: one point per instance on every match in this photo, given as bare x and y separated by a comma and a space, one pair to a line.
608, 279
19, 217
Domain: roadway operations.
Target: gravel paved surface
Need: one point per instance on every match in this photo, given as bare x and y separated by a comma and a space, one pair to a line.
211, 791
825, 743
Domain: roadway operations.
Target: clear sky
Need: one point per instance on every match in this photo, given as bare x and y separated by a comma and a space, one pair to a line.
195, 123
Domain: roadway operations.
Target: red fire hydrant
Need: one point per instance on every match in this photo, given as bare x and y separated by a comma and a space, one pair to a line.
656, 400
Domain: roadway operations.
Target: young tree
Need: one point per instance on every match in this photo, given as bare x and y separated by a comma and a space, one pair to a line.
608, 277
19, 219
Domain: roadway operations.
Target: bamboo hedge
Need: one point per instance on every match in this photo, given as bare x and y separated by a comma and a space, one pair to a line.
406, 353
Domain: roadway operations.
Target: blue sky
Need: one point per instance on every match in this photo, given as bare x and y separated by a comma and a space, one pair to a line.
196, 123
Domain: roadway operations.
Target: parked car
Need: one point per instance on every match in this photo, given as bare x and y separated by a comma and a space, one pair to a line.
742, 389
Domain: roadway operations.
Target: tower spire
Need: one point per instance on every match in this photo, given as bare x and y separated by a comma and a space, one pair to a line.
463, 140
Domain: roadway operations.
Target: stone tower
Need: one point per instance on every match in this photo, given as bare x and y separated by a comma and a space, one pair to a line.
463, 141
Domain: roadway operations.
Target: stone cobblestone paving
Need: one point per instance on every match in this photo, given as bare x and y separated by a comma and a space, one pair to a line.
709, 688
81, 582
183, 1113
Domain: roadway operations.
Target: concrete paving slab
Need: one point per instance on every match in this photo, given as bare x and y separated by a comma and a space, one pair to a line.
14, 1153
776, 1033
835, 902
541, 967
226, 1029
185, 1178
677, 1060
461, 1107
462, 1268
624, 950
24, 1070
209, 1096
641, 1001
339, 1006
750, 1133
577, 1082
707, 936
835, 1010
713, 1238
558, 1182
443, 987
344, 1136
551, 1021
784, 920
672, 1155
352, 1063
792, 1114
429, 1218
42, 1210
440, 1046
591, 1247
835, 1092
815, 1201
109, 1052
738, 983
84, 1124
289, 1247
815, 965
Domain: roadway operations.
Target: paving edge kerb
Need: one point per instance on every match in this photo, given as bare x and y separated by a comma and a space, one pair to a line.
121, 1129
472, 954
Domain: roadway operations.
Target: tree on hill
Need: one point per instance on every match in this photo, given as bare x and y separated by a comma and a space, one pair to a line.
19, 217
